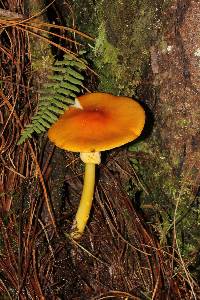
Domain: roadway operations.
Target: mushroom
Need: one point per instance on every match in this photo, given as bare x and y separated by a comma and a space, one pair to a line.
97, 122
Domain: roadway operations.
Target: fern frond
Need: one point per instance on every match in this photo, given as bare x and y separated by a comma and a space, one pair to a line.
56, 95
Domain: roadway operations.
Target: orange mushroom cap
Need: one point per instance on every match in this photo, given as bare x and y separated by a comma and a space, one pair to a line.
104, 122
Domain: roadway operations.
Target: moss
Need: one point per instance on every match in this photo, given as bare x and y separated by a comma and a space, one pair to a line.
127, 27
41, 52
124, 31
167, 190
42, 57
86, 16
140, 146
183, 123
107, 62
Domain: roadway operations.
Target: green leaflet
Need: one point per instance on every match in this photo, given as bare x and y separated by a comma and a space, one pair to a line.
56, 110
58, 69
37, 130
73, 80
59, 104
66, 92
49, 116
56, 77
74, 73
56, 95
52, 85
38, 125
64, 99
69, 86
44, 123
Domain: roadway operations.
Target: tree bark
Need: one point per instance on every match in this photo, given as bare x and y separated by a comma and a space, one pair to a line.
150, 50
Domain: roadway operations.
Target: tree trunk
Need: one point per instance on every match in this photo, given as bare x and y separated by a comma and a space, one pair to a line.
150, 50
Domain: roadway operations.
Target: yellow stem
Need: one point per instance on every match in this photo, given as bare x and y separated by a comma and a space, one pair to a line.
84, 208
